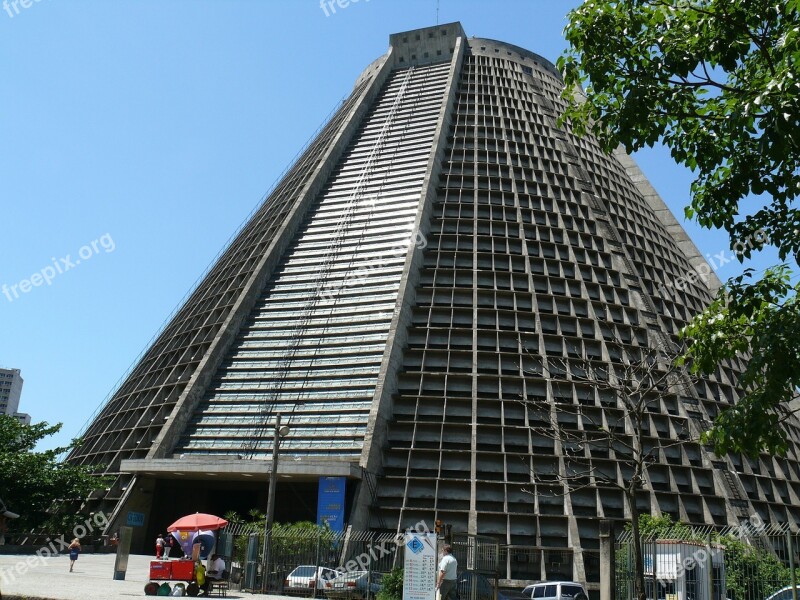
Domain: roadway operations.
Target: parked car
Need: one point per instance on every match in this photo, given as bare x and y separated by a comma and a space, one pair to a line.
511, 595
354, 584
784, 594
306, 577
556, 590
474, 586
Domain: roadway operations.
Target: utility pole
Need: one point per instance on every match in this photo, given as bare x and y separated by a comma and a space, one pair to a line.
278, 433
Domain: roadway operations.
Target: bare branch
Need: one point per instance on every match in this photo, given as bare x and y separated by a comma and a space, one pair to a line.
637, 379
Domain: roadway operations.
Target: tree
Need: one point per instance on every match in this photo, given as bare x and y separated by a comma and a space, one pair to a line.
301, 541
631, 389
663, 527
752, 571
35, 484
243, 530
392, 585
717, 82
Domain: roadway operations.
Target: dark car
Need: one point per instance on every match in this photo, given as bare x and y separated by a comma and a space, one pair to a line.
511, 595
474, 586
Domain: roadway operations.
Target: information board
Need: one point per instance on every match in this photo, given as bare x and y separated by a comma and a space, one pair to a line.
419, 567
330, 502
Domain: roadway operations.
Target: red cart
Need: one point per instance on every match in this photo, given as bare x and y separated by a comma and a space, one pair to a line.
172, 570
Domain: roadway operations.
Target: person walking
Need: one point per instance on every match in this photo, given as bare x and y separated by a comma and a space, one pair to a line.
74, 550
159, 546
448, 566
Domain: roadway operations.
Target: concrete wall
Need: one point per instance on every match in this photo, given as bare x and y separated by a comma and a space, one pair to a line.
393, 357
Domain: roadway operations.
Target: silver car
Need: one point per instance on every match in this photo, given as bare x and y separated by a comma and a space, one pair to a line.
354, 584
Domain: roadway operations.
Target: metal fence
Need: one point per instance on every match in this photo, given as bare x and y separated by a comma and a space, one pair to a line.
372, 553
288, 548
746, 562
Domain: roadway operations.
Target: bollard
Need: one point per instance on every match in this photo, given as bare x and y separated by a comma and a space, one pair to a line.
123, 550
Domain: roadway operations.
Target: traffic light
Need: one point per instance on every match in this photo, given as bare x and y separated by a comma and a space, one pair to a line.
438, 527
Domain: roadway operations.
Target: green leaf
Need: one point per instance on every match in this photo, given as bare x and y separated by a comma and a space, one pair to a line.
693, 79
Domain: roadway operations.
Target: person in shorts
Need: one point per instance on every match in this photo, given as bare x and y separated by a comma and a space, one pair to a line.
74, 550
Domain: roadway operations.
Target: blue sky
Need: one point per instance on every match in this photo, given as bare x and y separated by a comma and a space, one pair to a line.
135, 137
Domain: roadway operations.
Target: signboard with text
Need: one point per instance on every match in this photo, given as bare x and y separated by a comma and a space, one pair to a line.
330, 502
419, 567
135, 519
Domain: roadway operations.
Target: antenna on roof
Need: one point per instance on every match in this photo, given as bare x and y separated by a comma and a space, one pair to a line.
437, 12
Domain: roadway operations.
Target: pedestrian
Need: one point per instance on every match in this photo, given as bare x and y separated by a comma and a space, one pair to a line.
448, 566
159, 546
170, 551
74, 550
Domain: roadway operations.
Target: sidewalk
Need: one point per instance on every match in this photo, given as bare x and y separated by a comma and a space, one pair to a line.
33, 578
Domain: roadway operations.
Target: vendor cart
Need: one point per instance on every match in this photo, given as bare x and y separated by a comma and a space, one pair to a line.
181, 570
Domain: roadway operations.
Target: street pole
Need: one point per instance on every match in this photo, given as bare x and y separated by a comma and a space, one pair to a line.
273, 479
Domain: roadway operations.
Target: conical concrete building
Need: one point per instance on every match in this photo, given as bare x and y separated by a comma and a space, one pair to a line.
438, 239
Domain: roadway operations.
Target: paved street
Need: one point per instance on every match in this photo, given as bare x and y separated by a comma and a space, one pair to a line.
35, 578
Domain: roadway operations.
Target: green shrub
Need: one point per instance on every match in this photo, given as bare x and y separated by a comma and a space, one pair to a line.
392, 586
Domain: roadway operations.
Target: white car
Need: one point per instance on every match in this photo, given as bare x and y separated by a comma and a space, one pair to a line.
307, 577
556, 590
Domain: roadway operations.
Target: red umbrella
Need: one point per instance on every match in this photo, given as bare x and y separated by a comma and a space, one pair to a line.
198, 521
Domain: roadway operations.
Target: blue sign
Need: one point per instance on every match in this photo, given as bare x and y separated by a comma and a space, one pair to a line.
330, 502
415, 545
135, 519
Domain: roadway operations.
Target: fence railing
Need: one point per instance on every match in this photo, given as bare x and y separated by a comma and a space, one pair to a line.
301, 562
746, 562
